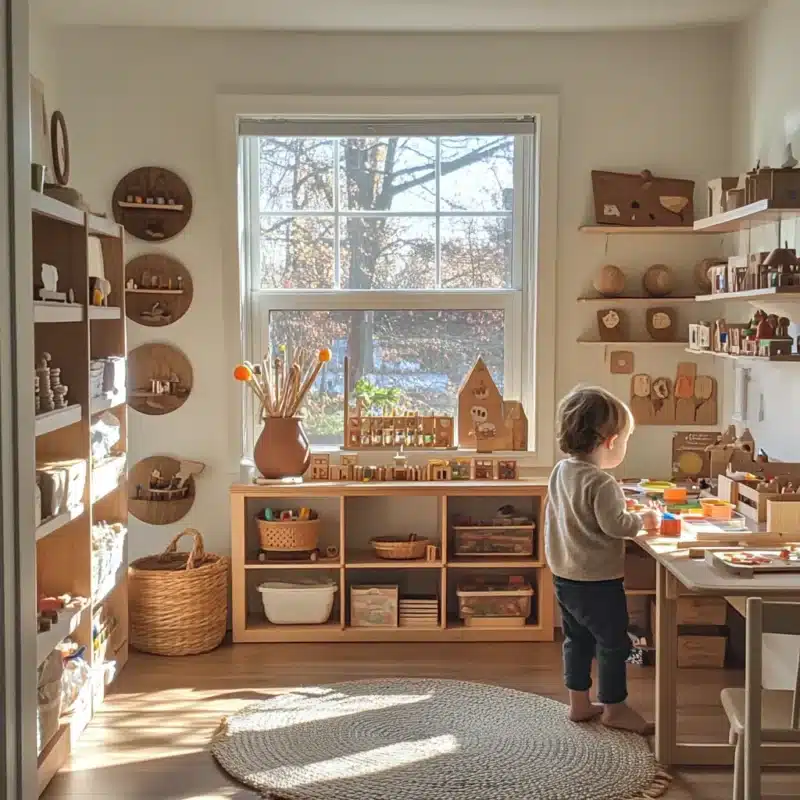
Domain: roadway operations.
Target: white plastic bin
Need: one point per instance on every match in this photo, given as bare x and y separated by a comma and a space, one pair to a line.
298, 603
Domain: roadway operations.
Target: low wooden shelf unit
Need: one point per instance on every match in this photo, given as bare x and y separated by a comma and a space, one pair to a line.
351, 514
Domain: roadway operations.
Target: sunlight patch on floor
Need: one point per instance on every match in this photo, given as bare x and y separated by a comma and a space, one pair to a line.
369, 762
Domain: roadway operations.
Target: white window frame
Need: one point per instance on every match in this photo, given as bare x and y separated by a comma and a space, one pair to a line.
529, 303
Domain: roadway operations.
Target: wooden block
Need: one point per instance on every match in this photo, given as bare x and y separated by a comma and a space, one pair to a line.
783, 514
621, 362
480, 406
612, 325
641, 407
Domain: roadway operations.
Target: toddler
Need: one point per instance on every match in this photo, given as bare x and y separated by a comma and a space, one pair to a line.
585, 530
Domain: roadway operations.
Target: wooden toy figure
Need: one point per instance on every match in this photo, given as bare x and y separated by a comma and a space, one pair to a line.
480, 406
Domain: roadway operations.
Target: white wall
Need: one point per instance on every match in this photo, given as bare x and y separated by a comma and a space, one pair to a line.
767, 117
628, 101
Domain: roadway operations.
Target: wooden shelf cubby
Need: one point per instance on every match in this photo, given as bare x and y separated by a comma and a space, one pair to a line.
353, 513
75, 333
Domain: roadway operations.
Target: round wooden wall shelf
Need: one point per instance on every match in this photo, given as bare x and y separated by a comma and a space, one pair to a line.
152, 203
161, 292
161, 378
161, 489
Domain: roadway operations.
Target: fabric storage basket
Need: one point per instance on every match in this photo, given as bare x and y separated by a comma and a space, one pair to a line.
307, 602
179, 601
294, 535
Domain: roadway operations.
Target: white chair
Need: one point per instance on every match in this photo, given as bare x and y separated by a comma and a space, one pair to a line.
761, 715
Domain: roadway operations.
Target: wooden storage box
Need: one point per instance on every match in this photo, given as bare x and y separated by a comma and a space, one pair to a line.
494, 540
374, 606
783, 514
702, 651
702, 611
754, 504
640, 569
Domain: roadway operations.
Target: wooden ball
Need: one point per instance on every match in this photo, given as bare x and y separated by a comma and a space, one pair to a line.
657, 281
610, 281
701, 276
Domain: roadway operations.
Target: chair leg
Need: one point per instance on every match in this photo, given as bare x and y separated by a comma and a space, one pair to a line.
738, 768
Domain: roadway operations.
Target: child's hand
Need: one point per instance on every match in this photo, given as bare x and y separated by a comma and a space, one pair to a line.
651, 520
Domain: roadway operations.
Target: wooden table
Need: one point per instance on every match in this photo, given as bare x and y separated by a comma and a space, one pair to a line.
677, 573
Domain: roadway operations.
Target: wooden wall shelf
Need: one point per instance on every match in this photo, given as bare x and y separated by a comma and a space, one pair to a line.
62, 236
347, 511
637, 301
749, 216
639, 343
156, 306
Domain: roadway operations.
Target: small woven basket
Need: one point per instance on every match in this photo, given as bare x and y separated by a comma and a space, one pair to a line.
179, 601
396, 548
294, 535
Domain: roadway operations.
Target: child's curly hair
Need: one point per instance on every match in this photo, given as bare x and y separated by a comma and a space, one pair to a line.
587, 417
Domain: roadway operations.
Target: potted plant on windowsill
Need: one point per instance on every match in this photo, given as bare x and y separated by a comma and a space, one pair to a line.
282, 449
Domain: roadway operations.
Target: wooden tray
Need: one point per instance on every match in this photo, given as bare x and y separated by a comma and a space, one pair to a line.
776, 565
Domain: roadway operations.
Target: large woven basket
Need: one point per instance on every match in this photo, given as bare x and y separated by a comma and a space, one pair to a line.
179, 601
291, 536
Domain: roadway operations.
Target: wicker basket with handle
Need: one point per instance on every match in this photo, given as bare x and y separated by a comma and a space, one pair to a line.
179, 601
393, 547
289, 535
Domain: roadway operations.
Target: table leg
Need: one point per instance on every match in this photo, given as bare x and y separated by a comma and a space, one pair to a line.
666, 669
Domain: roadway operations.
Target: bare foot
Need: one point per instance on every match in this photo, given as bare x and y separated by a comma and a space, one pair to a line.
623, 717
581, 708
585, 713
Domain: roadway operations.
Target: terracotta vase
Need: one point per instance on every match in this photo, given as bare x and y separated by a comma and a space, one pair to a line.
282, 448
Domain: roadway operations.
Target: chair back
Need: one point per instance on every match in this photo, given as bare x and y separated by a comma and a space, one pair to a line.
769, 617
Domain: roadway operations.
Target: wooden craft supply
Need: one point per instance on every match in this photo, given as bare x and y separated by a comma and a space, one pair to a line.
612, 325
609, 281
621, 362
684, 393
657, 280
661, 323
642, 200
747, 563
663, 404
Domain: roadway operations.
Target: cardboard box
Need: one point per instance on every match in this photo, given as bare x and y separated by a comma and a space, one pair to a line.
690, 460
702, 651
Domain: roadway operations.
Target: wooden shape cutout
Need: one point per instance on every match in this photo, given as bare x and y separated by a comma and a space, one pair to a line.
612, 325
152, 203
705, 392
641, 407
663, 401
621, 362
159, 378
480, 407
661, 323
162, 291
642, 199
162, 489
684, 393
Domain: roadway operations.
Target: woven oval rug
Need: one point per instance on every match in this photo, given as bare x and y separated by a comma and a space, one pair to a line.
430, 740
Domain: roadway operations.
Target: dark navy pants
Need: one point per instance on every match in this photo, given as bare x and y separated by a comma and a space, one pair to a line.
595, 622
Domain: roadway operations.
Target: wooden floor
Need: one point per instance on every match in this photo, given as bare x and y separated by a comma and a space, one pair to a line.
150, 738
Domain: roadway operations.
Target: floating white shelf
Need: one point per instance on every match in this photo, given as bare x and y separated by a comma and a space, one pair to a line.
783, 293
790, 359
98, 404
761, 212
637, 301
633, 230
104, 312
46, 206
59, 418
47, 312
68, 620
54, 523
650, 343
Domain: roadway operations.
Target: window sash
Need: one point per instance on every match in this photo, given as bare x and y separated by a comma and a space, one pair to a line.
517, 301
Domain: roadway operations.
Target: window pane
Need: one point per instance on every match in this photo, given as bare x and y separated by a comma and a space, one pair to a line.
477, 173
295, 174
388, 174
423, 354
476, 252
296, 253
388, 252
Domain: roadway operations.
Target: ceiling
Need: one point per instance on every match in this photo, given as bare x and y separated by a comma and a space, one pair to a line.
394, 15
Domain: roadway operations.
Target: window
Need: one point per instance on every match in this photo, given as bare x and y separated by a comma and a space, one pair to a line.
405, 246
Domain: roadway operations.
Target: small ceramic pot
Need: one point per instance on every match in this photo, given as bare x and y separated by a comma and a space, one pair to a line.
282, 449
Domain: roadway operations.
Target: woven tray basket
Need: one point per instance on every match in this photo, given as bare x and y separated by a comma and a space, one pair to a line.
293, 535
179, 601
394, 548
